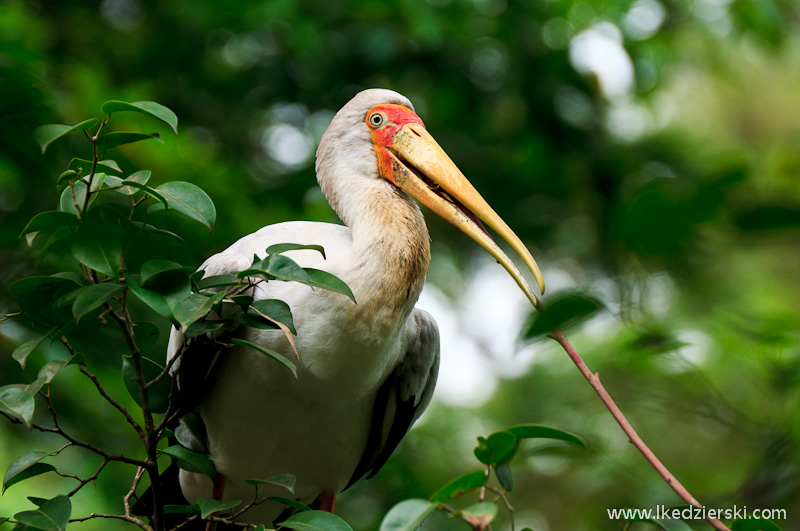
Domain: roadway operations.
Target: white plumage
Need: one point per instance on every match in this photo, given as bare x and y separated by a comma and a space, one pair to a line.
259, 419
367, 370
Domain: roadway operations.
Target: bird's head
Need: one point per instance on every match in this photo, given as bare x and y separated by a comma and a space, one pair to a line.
410, 158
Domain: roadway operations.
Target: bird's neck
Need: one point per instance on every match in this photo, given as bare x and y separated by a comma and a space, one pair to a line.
392, 246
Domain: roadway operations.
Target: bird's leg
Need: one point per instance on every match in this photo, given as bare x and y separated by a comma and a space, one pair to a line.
327, 500
216, 494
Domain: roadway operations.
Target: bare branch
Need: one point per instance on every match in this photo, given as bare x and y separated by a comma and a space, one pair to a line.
594, 381
102, 390
113, 402
74, 442
84, 482
130, 519
126, 501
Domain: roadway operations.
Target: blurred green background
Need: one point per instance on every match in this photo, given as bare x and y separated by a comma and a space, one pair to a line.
647, 151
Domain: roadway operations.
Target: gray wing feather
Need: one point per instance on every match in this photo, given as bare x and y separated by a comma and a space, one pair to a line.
403, 397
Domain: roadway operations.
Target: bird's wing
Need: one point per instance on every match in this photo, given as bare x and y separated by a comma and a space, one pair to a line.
192, 376
404, 396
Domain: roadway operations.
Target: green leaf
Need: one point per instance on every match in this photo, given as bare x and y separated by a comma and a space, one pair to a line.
533, 431
278, 267
53, 515
190, 200
194, 306
46, 221
145, 107
93, 297
754, 524
181, 509
25, 467
218, 281
20, 354
47, 134
325, 280
316, 521
282, 268
191, 433
504, 476
101, 252
497, 449
480, 513
146, 335
84, 166
29, 284
131, 184
49, 371
282, 480
155, 301
562, 311
267, 352
161, 272
136, 181
191, 461
173, 238
52, 368
291, 503
65, 179
17, 403
279, 248
460, 485
112, 140
209, 507
277, 310
199, 328
158, 394
38, 502
407, 515
67, 203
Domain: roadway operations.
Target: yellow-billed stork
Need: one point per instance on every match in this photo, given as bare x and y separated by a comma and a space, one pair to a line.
366, 370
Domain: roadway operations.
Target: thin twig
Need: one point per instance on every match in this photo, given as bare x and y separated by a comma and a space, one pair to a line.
594, 381
58, 431
126, 500
501, 495
125, 323
84, 482
130, 519
103, 392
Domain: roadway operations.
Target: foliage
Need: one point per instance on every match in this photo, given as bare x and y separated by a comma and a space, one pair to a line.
674, 203
114, 252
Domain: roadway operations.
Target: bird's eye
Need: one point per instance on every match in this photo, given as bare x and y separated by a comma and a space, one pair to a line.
377, 119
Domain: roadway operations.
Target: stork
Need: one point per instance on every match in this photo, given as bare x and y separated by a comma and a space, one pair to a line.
366, 370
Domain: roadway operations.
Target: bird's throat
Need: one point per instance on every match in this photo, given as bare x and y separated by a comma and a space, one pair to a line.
391, 239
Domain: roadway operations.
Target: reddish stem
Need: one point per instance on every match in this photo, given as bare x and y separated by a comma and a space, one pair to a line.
594, 381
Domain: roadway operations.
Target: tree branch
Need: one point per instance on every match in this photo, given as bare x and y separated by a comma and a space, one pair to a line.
130, 519
58, 431
125, 323
84, 482
103, 392
594, 381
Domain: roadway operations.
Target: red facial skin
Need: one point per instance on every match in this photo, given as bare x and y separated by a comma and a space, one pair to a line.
395, 117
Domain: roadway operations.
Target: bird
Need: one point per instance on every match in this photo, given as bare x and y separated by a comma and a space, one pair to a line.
367, 368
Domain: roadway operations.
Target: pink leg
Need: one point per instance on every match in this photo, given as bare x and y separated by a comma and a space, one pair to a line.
326, 501
216, 494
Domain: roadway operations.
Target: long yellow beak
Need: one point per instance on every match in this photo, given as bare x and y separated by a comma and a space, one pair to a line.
422, 168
